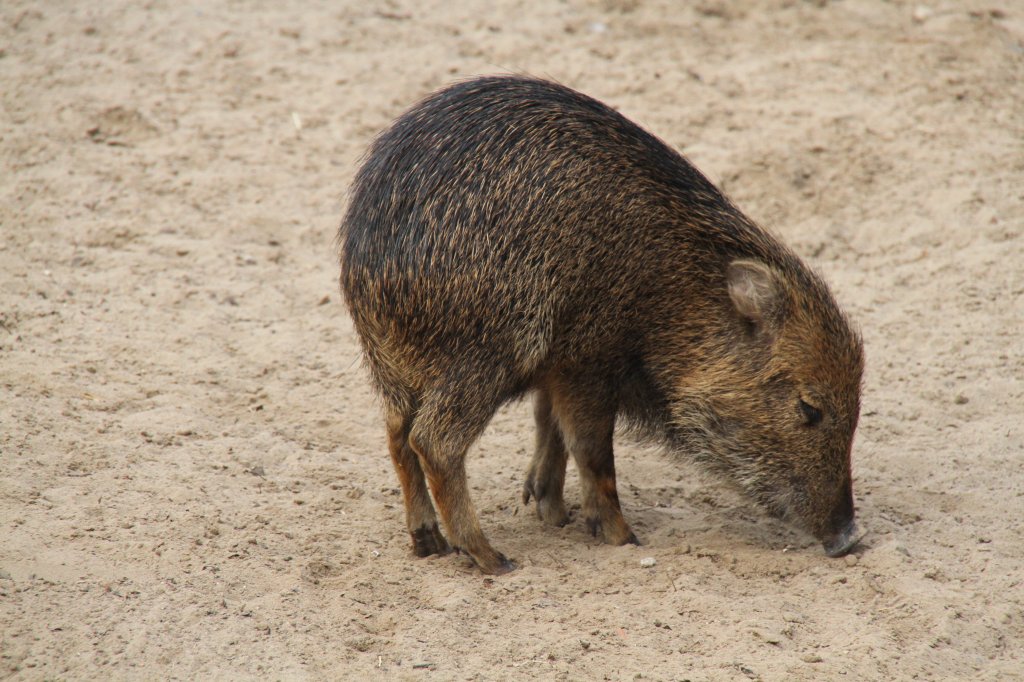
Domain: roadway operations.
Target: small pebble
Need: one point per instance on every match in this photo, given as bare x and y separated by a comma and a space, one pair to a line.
811, 658
960, 399
648, 562
851, 559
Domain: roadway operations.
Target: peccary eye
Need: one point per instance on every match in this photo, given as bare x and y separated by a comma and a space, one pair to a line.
811, 413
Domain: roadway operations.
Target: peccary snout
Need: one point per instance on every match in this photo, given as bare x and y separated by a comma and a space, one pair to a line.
843, 533
844, 541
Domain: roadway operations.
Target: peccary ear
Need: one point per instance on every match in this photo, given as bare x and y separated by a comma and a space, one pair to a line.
754, 290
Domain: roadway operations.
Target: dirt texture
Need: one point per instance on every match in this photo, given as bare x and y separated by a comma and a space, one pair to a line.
193, 475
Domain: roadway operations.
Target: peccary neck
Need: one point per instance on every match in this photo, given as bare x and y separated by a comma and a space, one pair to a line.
701, 346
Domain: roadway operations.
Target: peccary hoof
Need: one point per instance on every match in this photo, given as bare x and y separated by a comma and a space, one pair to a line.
427, 541
597, 530
506, 566
500, 566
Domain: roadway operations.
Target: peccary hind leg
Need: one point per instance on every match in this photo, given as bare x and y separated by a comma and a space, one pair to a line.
586, 416
545, 480
419, 511
441, 435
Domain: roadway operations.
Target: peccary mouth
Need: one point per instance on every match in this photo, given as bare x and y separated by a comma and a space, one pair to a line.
844, 541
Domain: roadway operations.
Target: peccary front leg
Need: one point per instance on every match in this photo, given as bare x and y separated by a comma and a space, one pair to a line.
586, 416
420, 518
545, 480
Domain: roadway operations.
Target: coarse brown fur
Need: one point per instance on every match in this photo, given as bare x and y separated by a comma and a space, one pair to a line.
509, 235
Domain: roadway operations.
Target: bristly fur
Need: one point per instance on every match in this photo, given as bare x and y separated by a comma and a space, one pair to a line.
509, 234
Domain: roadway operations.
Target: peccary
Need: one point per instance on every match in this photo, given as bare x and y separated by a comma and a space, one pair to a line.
509, 235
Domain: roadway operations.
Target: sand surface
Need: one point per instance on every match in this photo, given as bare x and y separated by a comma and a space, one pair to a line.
193, 477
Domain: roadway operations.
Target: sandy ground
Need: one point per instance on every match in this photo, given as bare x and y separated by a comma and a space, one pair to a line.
193, 479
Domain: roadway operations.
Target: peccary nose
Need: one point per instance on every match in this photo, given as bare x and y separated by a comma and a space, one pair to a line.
843, 541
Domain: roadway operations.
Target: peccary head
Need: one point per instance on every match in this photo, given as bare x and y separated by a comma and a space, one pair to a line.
781, 398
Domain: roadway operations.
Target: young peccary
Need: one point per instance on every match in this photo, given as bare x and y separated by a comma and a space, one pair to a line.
509, 235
